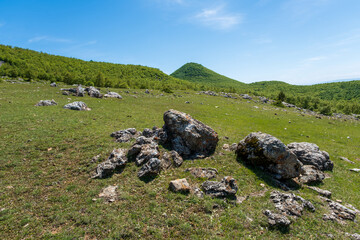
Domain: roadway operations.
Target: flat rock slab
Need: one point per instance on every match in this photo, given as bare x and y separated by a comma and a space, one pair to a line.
310, 154
188, 136
202, 172
347, 160
322, 192
290, 204
46, 103
267, 152
311, 175
78, 106
180, 185
109, 194
226, 188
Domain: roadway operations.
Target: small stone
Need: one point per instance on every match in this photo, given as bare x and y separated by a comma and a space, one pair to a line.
46, 103
202, 172
79, 106
226, 147
320, 191
109, 194
180, 185
347, 160
151, 168
355, 169
277, 220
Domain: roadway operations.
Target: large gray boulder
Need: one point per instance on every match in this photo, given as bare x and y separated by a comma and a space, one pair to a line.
94, 92
188, 136
79, 106
116, 160
310, 154
113, 95
226, 188
268, 152
46, 103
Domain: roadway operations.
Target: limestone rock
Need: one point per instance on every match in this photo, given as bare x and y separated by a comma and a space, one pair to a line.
171, 159
277, 220
355, 169
79, 106
290, 204
53, 84
346, 160
109, 194
226, 147
116, 160
265, 151
311, 175
147, 91
339, 212
202, 172
46, 103
322, 192
226, 188
233, 147
187, 136
113, 95
124, 135
180, 185
310, 154
151, 168
246, 96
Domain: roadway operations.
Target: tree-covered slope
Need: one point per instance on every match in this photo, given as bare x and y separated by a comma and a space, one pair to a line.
197, 73
30, 64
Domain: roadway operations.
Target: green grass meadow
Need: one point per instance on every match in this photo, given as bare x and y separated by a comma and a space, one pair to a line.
45, 167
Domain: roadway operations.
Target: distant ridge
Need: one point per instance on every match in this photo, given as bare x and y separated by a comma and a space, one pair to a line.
197, 73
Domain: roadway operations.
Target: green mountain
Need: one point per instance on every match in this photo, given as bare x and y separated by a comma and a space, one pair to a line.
197, 73
28, 64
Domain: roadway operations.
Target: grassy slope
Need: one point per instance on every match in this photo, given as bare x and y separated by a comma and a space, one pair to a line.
45, 155
197, 73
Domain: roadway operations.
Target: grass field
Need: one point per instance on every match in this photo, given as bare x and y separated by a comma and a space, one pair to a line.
45, 166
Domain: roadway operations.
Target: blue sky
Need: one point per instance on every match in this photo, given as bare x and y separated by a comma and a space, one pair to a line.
296, 41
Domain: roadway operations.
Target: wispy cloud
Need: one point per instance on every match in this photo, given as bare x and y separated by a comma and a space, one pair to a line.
218, 18
48, 39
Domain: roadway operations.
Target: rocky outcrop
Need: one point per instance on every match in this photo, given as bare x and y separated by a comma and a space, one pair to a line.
187, 136
46, 103
202, 172
151, 168
277, 220
179, 185
265, 151
311, 175
79, 106
113, 95
310, 154
116, 160
226, 188
338, 212
290, 204
124, 135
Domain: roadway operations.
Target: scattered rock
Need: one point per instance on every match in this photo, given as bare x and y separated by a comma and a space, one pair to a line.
78, 91
96, 158
116, 160
338, 212
324, 193
346, 160
265, 151
202, 172
187, 102
147, 91
147, 151
113, 95
109, 194
151, 168
180, 185
226, 147
197, 192
53, 84
189, 137
354, 236
226, 188
310, 154
277, 220
355, 169
79, 106
66, 93
290, 204
46, 103
172, 159
311, 175
233, 147
124, 135
246, 96
94, 92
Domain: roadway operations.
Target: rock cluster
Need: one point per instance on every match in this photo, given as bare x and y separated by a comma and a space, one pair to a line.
46, 103
78, 91
311, 175
171, 159
79, 106
339, 212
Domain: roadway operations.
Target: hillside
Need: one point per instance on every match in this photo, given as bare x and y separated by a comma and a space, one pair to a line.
197, 73
47, 160
28, 64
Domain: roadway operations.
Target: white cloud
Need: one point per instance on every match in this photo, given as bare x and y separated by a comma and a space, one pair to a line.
48, 39
218, 18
